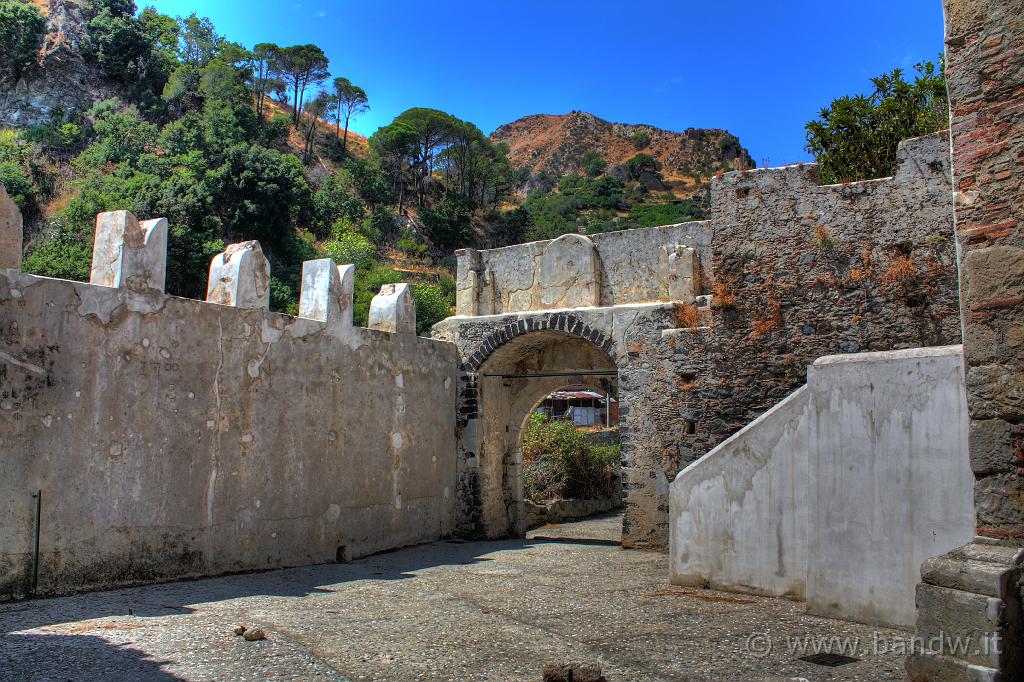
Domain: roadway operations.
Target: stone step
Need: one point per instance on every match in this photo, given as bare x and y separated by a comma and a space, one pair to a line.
980, 577
929, 667
962, 624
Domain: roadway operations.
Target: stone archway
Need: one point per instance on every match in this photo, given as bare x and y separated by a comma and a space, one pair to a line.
510, 381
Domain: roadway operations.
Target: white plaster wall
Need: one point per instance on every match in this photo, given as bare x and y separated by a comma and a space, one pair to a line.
891, 483
838, 493
175, 438
738, 514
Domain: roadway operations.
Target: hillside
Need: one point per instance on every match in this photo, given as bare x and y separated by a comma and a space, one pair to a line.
553, 146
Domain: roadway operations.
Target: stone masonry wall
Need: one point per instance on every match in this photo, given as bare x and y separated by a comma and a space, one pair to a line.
177, 438
985, 72
804, 271
796, 271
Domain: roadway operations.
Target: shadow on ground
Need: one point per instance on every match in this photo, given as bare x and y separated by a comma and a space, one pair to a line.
177, 598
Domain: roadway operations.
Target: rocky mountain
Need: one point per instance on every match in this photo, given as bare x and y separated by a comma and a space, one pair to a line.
61, 79
552, 146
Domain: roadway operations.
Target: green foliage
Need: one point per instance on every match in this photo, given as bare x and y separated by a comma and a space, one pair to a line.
60, 256
640, 139
433, 304
260, 194
552, 215
855, 138
652, 215
640, 164
351, 247
560, 463
448, 223
124, 48
16, 171
336, 199
593, 164
22, 27
118, 136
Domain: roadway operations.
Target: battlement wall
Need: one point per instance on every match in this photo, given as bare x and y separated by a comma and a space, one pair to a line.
645, 265
174, 438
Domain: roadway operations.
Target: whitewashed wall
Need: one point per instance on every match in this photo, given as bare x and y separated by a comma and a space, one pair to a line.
838, 493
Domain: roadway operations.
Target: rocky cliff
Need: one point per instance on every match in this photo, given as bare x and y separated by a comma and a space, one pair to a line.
61, 80
552, 146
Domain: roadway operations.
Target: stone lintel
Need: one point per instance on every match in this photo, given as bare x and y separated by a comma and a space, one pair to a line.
240, 277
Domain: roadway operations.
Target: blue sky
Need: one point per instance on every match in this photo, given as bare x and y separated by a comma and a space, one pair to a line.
758, 69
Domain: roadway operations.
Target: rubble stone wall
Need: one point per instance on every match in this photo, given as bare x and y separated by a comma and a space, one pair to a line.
786, 271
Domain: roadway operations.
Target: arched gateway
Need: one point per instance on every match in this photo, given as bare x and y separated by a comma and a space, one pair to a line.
595, 312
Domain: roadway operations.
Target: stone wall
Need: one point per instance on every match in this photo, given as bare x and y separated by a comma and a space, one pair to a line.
838, 493
175, 438
793, 271
985, 71
615, 268
803, 271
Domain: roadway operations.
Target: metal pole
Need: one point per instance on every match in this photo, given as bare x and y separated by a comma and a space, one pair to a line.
35, 554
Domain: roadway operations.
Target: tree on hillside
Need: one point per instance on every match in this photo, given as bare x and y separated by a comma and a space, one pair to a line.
263, 58
640, 164
351, 101
314, 112
855, 138
22, 28
301, 66
198, 40
393, 145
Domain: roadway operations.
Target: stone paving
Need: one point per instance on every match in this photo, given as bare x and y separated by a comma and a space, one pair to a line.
603, 529
444, 611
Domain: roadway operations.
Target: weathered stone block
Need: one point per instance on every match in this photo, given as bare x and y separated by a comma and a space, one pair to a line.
995, 276
990, 446
997, 391
128, 253
682, 273
240, 277
393, 310
11, 232
327, 292
570, 274
961, 622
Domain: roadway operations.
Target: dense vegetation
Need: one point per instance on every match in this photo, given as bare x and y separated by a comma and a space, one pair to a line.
855, 138
560, 463
231, 144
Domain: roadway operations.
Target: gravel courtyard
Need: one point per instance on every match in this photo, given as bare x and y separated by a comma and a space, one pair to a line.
444, 611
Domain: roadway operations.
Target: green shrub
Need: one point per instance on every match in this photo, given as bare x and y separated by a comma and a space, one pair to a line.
60, 256
351, 248
560, 463
433, 304
22, 27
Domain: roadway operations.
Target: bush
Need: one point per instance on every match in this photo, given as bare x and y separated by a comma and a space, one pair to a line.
560, 463
351, 248
22, 27
60, 256
433, 304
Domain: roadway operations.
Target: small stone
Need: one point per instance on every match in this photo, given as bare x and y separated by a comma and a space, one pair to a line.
239, 630
253, 635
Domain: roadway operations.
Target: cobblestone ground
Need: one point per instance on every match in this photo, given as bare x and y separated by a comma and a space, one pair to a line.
445, 611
